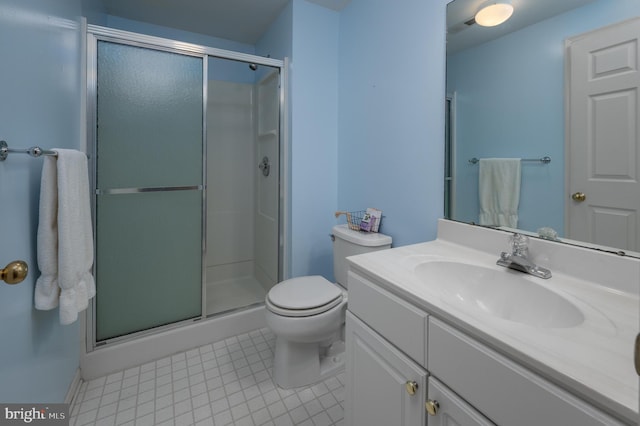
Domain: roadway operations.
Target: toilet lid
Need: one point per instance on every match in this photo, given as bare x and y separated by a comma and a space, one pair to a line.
304, 293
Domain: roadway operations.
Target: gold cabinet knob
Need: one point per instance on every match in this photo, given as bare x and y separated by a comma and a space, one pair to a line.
579, 196
15, 272
412, 387
432, 407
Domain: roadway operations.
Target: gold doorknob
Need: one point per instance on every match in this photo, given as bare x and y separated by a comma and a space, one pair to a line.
15, 272
432, 407
412, 387
579, 196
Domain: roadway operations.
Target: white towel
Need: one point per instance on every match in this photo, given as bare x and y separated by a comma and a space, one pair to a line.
499, 191
65, 237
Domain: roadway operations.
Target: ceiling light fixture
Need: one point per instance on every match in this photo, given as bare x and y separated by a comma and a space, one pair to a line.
493, 13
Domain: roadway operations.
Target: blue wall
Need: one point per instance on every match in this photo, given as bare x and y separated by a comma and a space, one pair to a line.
40, 86
94, 11
314, 137
219, 69
277, 42
516, 83
175, 34
366, 119
391, 113
308, 35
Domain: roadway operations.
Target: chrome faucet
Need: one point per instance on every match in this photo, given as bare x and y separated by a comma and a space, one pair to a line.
518, 259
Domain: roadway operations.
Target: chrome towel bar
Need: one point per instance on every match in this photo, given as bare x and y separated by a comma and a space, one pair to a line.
544, 160
34, 151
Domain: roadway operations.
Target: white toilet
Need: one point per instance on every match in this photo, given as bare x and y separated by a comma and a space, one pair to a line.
307, 314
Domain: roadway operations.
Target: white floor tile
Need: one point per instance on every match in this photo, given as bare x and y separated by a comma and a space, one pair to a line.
206, 422
226, 383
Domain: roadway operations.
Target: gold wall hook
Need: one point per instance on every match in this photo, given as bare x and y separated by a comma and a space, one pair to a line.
15, 272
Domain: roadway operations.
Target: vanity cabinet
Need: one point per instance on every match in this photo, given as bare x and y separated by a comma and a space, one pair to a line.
386, 378
402, 362
384, 386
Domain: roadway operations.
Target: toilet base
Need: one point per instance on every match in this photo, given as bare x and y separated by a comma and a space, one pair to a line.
303, 364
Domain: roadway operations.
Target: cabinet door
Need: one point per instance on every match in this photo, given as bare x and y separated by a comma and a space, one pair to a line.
377, 377
451, 409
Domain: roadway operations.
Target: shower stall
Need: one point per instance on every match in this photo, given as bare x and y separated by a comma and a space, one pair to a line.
242, 214
188, 169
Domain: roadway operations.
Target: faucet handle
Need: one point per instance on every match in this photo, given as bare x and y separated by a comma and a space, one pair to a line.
519, 245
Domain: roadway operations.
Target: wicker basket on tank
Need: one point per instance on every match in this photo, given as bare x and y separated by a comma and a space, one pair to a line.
353, 218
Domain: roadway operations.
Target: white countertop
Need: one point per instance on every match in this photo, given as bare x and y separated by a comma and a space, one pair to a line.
593, 359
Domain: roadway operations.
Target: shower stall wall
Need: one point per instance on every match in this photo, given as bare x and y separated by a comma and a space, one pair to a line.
242, 212
187, 173
230, 226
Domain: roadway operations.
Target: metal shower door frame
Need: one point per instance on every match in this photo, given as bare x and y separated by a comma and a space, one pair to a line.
98, 33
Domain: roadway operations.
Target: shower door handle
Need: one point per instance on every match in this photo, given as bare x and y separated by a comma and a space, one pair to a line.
265, 166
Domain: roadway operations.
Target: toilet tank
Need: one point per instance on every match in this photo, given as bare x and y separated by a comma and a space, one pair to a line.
347, 242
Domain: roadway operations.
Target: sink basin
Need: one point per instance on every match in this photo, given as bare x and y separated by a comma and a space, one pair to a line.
504, 294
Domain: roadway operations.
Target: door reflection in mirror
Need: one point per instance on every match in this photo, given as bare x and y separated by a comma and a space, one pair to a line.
509, 101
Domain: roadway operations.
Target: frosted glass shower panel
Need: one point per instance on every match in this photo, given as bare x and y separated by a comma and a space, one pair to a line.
149, 260
149, 113
149, 188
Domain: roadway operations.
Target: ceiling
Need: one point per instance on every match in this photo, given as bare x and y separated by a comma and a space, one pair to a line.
526, 12
244, 21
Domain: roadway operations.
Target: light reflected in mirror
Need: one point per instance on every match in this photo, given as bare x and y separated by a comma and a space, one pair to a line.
508, 92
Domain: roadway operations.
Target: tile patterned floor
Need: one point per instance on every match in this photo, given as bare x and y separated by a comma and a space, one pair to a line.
225, 383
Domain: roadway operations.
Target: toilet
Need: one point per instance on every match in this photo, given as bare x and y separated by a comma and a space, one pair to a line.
307, 314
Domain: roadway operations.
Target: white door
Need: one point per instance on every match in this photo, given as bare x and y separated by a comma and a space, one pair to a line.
377, 377
603, 155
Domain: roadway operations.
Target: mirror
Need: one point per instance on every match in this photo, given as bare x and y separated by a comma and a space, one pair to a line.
506, 99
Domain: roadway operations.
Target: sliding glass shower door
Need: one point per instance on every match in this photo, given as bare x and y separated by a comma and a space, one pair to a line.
149, 188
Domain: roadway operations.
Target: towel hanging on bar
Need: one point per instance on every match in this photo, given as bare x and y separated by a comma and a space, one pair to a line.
544, 160
499, 191
65, 236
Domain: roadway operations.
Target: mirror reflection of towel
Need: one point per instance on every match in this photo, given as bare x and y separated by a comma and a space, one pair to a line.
499, 191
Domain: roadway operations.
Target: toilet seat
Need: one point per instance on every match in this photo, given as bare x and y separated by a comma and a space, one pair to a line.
303, 296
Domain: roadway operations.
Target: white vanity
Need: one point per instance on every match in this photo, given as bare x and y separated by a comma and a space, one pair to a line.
438, 334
